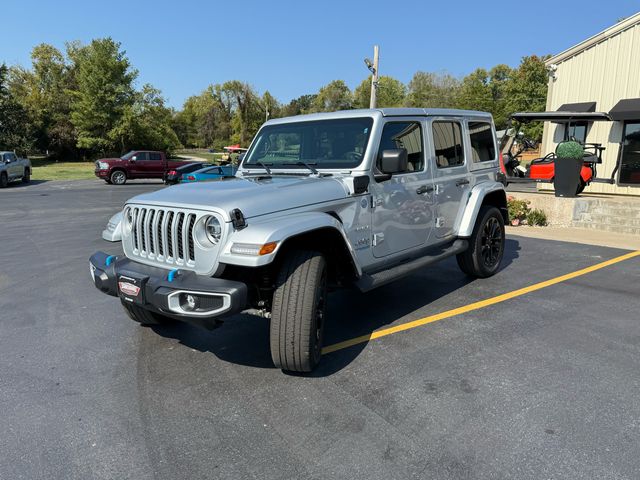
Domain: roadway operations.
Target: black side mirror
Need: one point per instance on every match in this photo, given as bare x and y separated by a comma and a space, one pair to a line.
394, 161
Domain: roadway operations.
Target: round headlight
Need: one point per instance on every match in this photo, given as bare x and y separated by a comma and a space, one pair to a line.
213, 229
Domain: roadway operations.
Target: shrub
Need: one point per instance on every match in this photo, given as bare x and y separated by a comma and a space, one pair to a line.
521, 214
518, 209
569, 150
536, 217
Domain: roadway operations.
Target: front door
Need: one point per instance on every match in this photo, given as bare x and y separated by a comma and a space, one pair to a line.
403, 205
451, 175
15, 168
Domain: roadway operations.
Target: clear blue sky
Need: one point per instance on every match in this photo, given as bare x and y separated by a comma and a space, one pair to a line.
294, 47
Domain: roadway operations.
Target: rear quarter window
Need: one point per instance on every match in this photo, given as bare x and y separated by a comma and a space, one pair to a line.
483, 143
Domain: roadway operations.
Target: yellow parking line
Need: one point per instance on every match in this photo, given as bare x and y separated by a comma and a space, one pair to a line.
475, 306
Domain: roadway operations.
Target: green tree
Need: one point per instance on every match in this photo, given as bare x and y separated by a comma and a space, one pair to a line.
271, 106
104, 93
298, 106
145, 124
500, 75
44, 93
391, 93
247, 110
475, 91
432, 90
332, 97
526, 91
15, 131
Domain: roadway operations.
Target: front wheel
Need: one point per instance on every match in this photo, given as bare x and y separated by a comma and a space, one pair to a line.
4, 180
118, 177
298, 311
486, 245
26, 178
145, 317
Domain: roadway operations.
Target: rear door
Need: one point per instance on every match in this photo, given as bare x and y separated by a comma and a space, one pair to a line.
403, 205
451, 174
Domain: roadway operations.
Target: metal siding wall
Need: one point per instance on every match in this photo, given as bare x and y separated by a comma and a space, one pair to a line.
606, 72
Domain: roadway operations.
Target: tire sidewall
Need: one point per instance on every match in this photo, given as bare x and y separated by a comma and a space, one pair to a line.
4, 180
27, 176
478, 263
115, 175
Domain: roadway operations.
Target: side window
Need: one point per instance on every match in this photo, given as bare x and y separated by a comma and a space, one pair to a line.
142, 156
155, 156
407, 135
483, 146
447, 142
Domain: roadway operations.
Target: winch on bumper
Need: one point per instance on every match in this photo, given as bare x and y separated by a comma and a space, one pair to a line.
179, 294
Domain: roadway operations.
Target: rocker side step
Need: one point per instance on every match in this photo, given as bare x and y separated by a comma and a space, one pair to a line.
369, 282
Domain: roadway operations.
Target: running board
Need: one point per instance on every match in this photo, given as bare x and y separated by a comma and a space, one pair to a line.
369, 282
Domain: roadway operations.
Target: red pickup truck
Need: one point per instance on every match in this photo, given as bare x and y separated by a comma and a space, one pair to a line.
135, 164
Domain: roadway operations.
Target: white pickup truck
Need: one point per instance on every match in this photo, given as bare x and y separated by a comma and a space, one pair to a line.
13, 168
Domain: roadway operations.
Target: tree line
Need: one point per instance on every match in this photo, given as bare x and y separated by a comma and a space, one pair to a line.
83, 102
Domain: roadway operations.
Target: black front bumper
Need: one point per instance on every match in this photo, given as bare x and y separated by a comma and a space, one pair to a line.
160, 290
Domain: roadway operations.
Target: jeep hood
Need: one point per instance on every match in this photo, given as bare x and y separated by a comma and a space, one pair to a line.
253, 196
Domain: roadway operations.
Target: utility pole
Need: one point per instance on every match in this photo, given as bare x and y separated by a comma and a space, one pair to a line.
374, 76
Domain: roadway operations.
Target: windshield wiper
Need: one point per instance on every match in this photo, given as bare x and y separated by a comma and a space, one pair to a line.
308, 165
263, 165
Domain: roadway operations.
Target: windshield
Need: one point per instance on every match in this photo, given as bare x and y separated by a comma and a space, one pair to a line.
127, 156
337, 143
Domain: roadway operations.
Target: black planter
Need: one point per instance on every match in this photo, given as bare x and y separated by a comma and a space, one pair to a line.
567, 176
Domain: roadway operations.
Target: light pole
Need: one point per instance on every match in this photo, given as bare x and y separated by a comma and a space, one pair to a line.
373, 68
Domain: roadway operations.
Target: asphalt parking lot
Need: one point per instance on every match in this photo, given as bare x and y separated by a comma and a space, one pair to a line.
541, 385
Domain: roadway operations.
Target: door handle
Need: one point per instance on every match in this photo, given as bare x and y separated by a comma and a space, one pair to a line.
424, 189
463, 181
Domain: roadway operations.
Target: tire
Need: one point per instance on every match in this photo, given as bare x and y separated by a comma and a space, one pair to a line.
26, 178
581, 187
107, 181
486, 245
4, 180
145, 317
298, 310
118, 177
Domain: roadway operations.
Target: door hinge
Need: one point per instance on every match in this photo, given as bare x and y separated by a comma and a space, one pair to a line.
378, 238
439, 222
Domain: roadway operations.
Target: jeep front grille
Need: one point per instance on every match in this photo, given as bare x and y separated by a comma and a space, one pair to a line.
165, 236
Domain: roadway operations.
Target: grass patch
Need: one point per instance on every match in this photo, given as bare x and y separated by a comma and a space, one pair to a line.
43, 169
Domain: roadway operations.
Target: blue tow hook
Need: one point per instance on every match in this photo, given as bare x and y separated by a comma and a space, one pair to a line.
172, 274
109, 259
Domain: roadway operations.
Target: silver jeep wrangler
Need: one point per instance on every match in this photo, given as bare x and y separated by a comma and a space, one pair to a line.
355, 198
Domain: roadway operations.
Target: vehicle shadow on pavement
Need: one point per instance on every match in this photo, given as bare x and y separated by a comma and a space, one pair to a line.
244, 339
13, 185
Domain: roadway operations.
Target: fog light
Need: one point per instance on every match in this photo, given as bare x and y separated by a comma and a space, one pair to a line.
189, 302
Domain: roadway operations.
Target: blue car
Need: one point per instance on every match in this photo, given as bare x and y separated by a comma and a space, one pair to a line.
209, 173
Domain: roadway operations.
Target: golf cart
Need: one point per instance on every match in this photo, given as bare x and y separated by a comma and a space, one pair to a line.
542, 169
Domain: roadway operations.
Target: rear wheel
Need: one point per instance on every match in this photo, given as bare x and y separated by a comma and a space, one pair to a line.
4, 180
581, 187
486, 245
298, 311
26, 178
118, 177
145, 317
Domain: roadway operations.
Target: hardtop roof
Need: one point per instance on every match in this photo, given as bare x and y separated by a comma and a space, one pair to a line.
385, 112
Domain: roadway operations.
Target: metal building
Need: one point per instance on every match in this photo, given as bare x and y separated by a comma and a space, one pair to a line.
601, 74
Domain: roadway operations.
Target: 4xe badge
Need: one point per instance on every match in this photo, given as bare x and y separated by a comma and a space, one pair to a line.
129, 289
